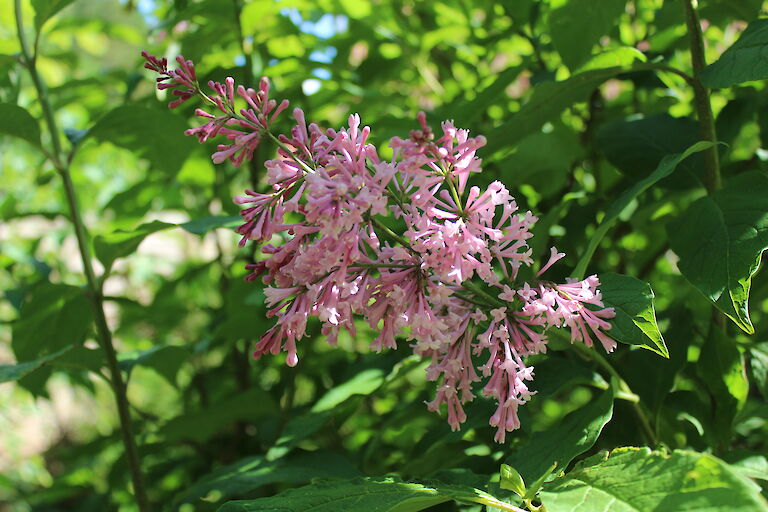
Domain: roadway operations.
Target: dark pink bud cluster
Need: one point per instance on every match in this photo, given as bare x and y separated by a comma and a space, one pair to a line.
405, 245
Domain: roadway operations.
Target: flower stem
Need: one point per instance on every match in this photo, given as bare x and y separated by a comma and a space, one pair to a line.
712, 179
94, 291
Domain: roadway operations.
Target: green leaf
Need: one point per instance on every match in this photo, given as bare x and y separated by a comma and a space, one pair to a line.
511, 480
166, 360
665, 168
748, 463
363, 495
742, 62
300, 427
202, 425
11, 372
46, 9
759, 364
577, 26
624, 56
154, 134
637, 479
549, 99
252, 473
575, 434
721, 368
635, 320
720, 240
17, 122
205, 224
53, 316
122, 243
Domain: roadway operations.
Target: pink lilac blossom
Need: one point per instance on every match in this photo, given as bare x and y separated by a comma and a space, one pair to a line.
405, 245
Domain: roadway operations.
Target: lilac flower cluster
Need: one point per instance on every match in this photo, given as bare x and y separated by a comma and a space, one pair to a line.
405, 244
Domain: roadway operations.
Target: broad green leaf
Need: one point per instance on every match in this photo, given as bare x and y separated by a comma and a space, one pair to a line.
637, 147
154, 134
575, 434
748, 463
205, 224
555, 373
640, 480
166, 360
53, 316
11, 372
549, 99
17, 122
251, 473
635, 320
122, 243
364, 495
577, 26
665, 168
758, 362
721, 368
300, 427
46, 9
742, 62
201, 425
720, 240
511, 480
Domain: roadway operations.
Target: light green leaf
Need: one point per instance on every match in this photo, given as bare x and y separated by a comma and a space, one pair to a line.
721, 368
122, 243
575, 434
720, 240
17, 122
251, 473
639, 480
364, 383
154, 134
577, 26
665, 168
624, 56
11, 372
742, 62
635, 320
364, 495
46, 9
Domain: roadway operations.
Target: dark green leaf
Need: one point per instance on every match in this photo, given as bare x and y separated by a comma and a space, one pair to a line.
205, 224
362, 495
45, 9
166, 360
574, 39
251, 473
635, 321
17, 122
154, 134
548, 101
637, 479
721, 368
11, 372
122, 243
575, 434
665, 168
742, 62
637, 147
720, 240
759, 364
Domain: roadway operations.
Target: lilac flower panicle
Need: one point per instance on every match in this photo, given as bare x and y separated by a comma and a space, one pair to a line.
447, 283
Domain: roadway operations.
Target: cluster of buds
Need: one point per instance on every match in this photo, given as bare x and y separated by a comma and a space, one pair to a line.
405, 245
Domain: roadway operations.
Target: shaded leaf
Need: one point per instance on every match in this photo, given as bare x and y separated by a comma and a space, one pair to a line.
122, 243
154, 134
46, 9
17, 122
720, 240
364, 495
667, 165
574, 40
205, 224
635, 320
166, 360
680, 481
251, 473
575, 434
11, 372
745, 60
